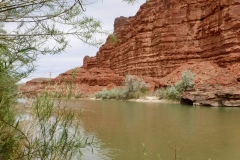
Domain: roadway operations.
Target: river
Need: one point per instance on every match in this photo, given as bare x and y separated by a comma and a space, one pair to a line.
126, 130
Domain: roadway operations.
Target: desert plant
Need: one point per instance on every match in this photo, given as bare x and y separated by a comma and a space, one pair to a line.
52, 132
78, 95
33, 35
9, 137
116, 93
133, 88
187, 81
104, 94
175, 92
113, 38
161, 93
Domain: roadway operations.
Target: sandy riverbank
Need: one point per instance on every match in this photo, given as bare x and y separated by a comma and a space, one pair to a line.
153, 99
147, 99
25, 105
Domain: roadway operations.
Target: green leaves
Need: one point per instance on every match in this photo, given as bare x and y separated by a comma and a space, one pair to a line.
39, 27
130, 1
54, 133
175, 92
133, 88
43, 22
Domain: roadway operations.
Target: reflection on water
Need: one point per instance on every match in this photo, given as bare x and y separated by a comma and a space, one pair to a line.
94, 152
120, 128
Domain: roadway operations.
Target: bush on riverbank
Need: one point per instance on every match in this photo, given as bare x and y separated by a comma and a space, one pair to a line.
133, 88
175, 92
50, 131
53, 130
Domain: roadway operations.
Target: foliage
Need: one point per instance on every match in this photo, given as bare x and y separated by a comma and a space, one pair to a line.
187, 81
133, 88
30, 28
53, 132
38, 27
7, 115
78, 95
175, 92
41, 27
113, 38
134, 84
169, 93
117, 93
130, 1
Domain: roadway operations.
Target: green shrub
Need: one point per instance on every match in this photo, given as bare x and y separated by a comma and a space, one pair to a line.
134, 84
186, 82
162, 93
51, 132
133, 88
78, 95
104, 94
113, 38
9, 136
117, 93
175, 92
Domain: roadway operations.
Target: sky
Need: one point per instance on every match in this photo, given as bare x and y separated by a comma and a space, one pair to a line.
50, 66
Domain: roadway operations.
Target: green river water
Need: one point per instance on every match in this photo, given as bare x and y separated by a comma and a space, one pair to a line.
120, 128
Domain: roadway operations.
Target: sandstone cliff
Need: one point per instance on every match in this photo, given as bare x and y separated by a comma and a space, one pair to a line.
165, 34
166, 37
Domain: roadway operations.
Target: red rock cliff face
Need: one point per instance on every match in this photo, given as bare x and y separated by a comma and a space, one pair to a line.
165, 34
165, 38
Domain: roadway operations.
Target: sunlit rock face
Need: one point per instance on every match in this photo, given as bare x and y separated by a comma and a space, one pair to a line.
165, 38
165, 34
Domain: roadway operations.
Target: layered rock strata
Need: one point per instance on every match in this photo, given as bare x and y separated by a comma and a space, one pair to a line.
34, 86
162, 40
227, 98
165, 34
80, 80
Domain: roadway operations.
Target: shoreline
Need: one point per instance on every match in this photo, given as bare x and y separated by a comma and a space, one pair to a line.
147, 99
153, 99
24, 106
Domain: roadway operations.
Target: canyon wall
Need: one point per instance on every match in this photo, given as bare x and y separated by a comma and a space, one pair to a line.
165, 38
165, 34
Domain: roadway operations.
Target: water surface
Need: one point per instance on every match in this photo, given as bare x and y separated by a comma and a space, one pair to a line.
121, 128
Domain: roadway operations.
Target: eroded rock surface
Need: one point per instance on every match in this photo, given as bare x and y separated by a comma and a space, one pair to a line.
227, 97
166, 34
165, 38
34, 86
